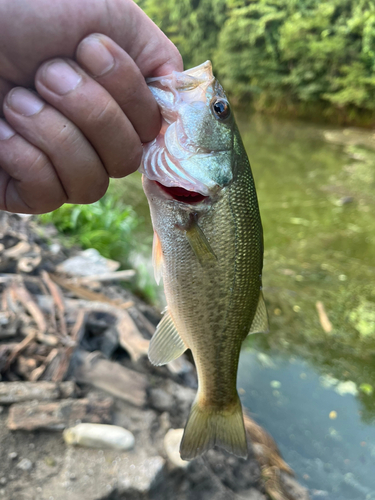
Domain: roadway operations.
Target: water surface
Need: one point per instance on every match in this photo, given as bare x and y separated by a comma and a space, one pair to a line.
311, 381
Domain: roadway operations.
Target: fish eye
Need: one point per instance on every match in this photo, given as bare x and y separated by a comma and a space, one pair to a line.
221, 109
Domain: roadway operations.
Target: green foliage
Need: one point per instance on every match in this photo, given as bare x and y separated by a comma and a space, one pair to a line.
193, 25
280, 53
301, 51
106, 225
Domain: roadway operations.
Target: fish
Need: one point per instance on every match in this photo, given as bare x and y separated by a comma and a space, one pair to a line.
207, 248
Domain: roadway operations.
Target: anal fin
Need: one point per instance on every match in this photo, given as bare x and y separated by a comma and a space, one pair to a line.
166, 343
260, 321
200, 244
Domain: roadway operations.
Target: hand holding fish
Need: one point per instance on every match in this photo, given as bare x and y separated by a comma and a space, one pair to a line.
92, 109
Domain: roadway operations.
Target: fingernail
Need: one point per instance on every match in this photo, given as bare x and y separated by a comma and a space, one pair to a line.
5, 131
95, 56
24, 102
59, 77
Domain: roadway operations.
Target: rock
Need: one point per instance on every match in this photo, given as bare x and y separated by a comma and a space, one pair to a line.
140, 478
252, 494
13, 455
25, 464
172, 442
102, 474
292, 488
109, 342
180, 366
18, 392
100, 436
161, 400
59, 415
3, 480
87, 263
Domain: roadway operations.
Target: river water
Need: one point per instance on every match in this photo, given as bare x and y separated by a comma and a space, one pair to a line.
311, 381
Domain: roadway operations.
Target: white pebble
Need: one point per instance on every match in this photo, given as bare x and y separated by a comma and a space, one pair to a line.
99, 436
172, 442
25, 464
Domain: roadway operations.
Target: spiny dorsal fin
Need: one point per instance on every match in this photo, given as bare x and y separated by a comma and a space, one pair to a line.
157, 258
166, 343
200, 244
260, 321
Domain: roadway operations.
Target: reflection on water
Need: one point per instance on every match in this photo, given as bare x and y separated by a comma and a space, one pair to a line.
316, 193
315, 422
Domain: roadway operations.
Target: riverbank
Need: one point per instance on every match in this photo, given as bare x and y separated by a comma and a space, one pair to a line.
73, 349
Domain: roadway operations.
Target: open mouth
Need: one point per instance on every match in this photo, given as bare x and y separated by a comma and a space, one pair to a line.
183, 195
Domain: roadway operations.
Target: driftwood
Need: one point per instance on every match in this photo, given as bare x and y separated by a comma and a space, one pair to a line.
58, 415
323, 317
18, 392
113, 378
35, 318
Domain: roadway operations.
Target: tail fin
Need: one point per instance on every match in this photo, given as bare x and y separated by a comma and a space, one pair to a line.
207, 427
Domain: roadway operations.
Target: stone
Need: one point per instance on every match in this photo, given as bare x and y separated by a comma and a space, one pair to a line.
141, 477
58, 415
25, 464
13, 455
161, 400
99, 436
251, 494
105, 474
292, 488
87, 263
172, 441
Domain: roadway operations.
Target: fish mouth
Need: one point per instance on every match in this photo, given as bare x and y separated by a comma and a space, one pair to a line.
182, 195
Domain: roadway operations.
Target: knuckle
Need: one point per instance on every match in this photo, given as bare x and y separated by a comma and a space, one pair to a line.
104, 115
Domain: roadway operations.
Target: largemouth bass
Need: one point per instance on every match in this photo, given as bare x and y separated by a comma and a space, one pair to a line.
208, 248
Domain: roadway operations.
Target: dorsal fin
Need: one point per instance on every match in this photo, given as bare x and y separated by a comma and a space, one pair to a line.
260, 321
157, 258
166, 343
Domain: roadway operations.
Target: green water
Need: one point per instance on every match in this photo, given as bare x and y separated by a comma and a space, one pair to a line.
316, 193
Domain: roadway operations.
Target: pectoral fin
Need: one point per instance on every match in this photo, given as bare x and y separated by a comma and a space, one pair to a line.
157, 258
260, 321
166, 343
200, 244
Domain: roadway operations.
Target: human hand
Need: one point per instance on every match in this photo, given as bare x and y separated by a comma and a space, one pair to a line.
92, 109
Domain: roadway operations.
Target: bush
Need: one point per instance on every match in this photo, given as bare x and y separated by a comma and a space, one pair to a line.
107, 225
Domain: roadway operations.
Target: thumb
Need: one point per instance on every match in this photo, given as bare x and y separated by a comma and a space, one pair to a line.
133, 30
32, 32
